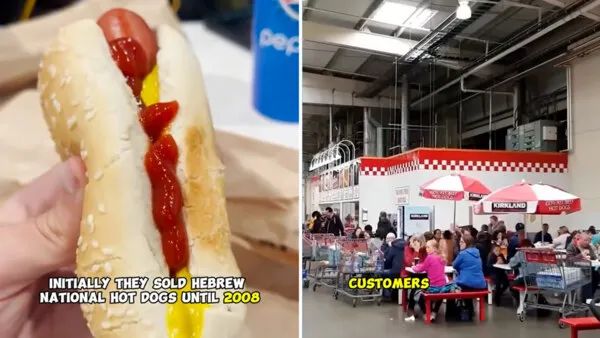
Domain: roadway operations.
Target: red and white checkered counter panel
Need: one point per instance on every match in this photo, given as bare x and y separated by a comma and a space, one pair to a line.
465, 160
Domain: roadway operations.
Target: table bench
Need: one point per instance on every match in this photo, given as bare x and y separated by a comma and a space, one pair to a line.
580, 324
481, 295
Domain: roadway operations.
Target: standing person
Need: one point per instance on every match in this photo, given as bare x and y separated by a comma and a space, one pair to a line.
543, 236
357, 233
485, 228
592, 230
333, 223
560, 242
468, 267
437, 235
433, 266
384, 226
369, 230
317, 223
447, 247
483, 243
581, 247
387, 244
349, 225
513, 244
493, 223
394, 262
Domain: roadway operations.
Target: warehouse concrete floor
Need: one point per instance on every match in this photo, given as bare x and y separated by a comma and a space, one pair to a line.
324, 317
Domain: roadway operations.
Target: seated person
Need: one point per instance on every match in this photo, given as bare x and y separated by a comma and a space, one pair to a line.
498, 275
517, 262
581, 247
469, 268
447, 247
433, 266
543, 236
560, 242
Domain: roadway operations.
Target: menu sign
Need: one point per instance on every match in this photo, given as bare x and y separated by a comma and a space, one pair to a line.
509, 206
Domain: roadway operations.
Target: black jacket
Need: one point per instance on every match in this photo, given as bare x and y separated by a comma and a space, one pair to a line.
317, 226
334, 226
394, 257
484, 246
538, 238
384, 227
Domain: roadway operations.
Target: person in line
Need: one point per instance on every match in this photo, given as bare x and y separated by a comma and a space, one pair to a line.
349, 225
394, 262
316, 225
373, 244
484, 228
433, 266
437, 235
428, 235
543, 236
498, 275
493, 223
581, 248
369, 230
468, 268
592, 230
560, 242
447, 247
513, 244
387, 243
384, 226
357, 233
333, 223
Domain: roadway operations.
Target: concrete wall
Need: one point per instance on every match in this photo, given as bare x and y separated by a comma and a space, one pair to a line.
584, 159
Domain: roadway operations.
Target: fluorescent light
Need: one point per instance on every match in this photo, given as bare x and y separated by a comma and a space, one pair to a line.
463, 12
397, 14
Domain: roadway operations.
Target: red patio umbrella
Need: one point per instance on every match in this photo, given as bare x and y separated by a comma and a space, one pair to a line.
539, 199
453, 187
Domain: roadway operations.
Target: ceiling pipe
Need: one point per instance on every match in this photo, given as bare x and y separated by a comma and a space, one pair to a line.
467, 90
561, 4
511, 49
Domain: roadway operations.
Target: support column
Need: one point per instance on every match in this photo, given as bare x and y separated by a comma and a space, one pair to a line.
330, 125
366, 131
404, 115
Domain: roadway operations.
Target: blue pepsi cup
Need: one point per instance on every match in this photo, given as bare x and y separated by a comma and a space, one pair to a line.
276, 47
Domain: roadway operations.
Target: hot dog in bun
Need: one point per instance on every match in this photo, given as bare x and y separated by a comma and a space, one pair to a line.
130, 101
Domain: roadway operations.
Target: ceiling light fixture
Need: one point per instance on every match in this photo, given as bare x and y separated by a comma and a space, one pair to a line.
463, 12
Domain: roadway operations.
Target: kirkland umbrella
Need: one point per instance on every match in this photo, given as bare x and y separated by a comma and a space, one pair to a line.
453, 187
539, 199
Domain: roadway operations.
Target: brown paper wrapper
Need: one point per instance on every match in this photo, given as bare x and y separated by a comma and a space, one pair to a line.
261, 188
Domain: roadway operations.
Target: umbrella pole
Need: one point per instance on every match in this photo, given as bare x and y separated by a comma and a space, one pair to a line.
454, 219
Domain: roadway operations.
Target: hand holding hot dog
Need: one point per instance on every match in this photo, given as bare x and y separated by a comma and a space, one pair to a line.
39, 227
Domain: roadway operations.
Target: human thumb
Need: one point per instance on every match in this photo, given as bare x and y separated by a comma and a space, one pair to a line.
42, 243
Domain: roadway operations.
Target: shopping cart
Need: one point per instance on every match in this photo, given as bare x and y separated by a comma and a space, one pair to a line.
321, 260
549, 272
356, 262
